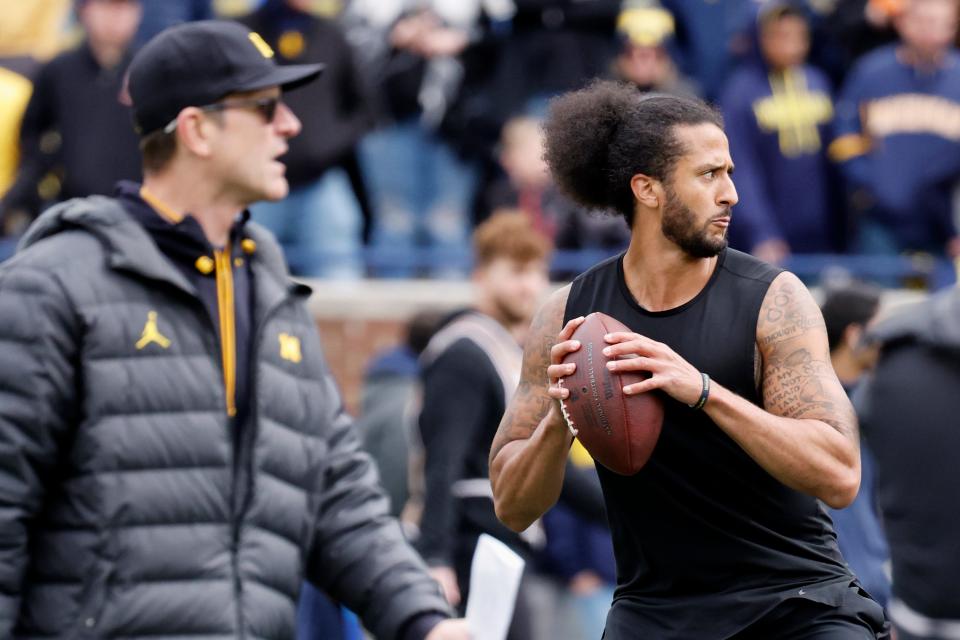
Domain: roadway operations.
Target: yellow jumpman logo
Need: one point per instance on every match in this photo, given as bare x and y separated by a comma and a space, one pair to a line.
152, 334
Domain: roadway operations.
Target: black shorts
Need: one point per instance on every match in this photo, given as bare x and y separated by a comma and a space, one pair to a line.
857, 618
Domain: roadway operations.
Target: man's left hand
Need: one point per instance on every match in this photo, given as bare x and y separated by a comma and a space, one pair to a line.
450, 630
669, 372
953, 247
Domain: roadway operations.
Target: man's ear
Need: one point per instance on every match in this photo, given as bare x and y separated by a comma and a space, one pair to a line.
194, 131
853, 335
647, 190
478, 274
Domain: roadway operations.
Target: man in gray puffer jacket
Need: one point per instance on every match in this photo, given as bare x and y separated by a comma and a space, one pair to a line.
174, 456
909, 410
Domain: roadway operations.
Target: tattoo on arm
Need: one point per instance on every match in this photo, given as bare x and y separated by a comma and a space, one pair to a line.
531, 403
798, 378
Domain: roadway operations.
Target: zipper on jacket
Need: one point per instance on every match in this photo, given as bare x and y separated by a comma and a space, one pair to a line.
246, 443
244, 461
228, 326
226, 309
237, 584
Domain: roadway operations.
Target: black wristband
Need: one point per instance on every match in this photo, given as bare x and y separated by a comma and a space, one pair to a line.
704, 394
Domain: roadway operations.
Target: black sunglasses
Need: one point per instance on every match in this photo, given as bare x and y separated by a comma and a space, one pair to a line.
266, 107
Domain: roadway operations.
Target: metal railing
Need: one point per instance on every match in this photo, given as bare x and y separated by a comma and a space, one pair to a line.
916, 271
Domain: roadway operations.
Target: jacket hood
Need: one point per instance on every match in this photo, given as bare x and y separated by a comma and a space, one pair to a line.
128, 245
97, 214
935, 322
752, 33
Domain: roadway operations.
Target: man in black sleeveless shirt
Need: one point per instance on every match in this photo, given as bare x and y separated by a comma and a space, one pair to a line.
723, 534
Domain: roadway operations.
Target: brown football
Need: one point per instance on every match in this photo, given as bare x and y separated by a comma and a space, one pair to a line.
619, 430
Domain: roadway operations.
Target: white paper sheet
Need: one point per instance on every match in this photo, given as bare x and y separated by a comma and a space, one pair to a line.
494, 582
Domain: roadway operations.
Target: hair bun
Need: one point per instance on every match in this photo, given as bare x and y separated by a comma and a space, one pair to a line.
580, 128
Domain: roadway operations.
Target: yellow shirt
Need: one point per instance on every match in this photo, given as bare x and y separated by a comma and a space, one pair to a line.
14, 93
35, 28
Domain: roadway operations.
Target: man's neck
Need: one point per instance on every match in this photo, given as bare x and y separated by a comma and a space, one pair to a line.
516, 329
214, 215
847, 368
659, 275
107, 56
926, 61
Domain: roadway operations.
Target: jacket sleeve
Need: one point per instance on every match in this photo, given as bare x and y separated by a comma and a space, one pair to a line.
850, 148
38, 346
359, 555
452, 415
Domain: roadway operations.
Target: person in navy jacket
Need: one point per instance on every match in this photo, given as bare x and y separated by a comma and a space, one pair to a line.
777, 111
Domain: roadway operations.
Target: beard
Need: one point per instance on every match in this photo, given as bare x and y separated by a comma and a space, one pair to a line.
680, 226
510, 312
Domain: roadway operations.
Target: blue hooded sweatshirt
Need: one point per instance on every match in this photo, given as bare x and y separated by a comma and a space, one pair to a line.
778, 127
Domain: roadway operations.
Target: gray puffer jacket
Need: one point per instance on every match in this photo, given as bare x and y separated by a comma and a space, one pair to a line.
127, 509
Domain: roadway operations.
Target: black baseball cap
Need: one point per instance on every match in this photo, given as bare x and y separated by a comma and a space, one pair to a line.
198, 63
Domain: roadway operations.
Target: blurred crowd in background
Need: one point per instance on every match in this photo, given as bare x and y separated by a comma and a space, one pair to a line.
843, 119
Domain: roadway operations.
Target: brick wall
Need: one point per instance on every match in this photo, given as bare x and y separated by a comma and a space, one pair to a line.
358, 320
349, 344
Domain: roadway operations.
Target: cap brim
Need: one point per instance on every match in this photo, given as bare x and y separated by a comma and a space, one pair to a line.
287, 77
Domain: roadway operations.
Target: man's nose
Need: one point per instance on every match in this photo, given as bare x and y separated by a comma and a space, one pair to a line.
728, 193
286, 121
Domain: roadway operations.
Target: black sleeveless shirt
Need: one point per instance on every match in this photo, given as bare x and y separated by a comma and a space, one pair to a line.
706, 541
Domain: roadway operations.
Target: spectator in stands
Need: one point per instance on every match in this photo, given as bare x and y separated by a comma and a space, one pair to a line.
777, 110
553, 46
527, 187
471, 368
15, 91
421, 186
34, 29
174, 455
390, 407
844, 30
646, 53
320, 223
160, 14
711, 37
898, 127
909, 411
848, 310
76, 137
31, 32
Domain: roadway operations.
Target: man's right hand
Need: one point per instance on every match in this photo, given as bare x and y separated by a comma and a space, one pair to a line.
558, 369
450, 630
447, 578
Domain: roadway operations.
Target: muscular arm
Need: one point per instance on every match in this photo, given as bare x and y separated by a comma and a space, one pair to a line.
807, 437
529, 452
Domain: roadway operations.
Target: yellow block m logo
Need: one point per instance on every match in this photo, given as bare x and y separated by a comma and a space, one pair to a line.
290, 347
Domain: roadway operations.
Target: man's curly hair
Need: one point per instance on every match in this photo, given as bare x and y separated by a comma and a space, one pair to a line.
601, 136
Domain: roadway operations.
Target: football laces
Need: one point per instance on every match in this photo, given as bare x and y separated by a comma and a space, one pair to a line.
566, 415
